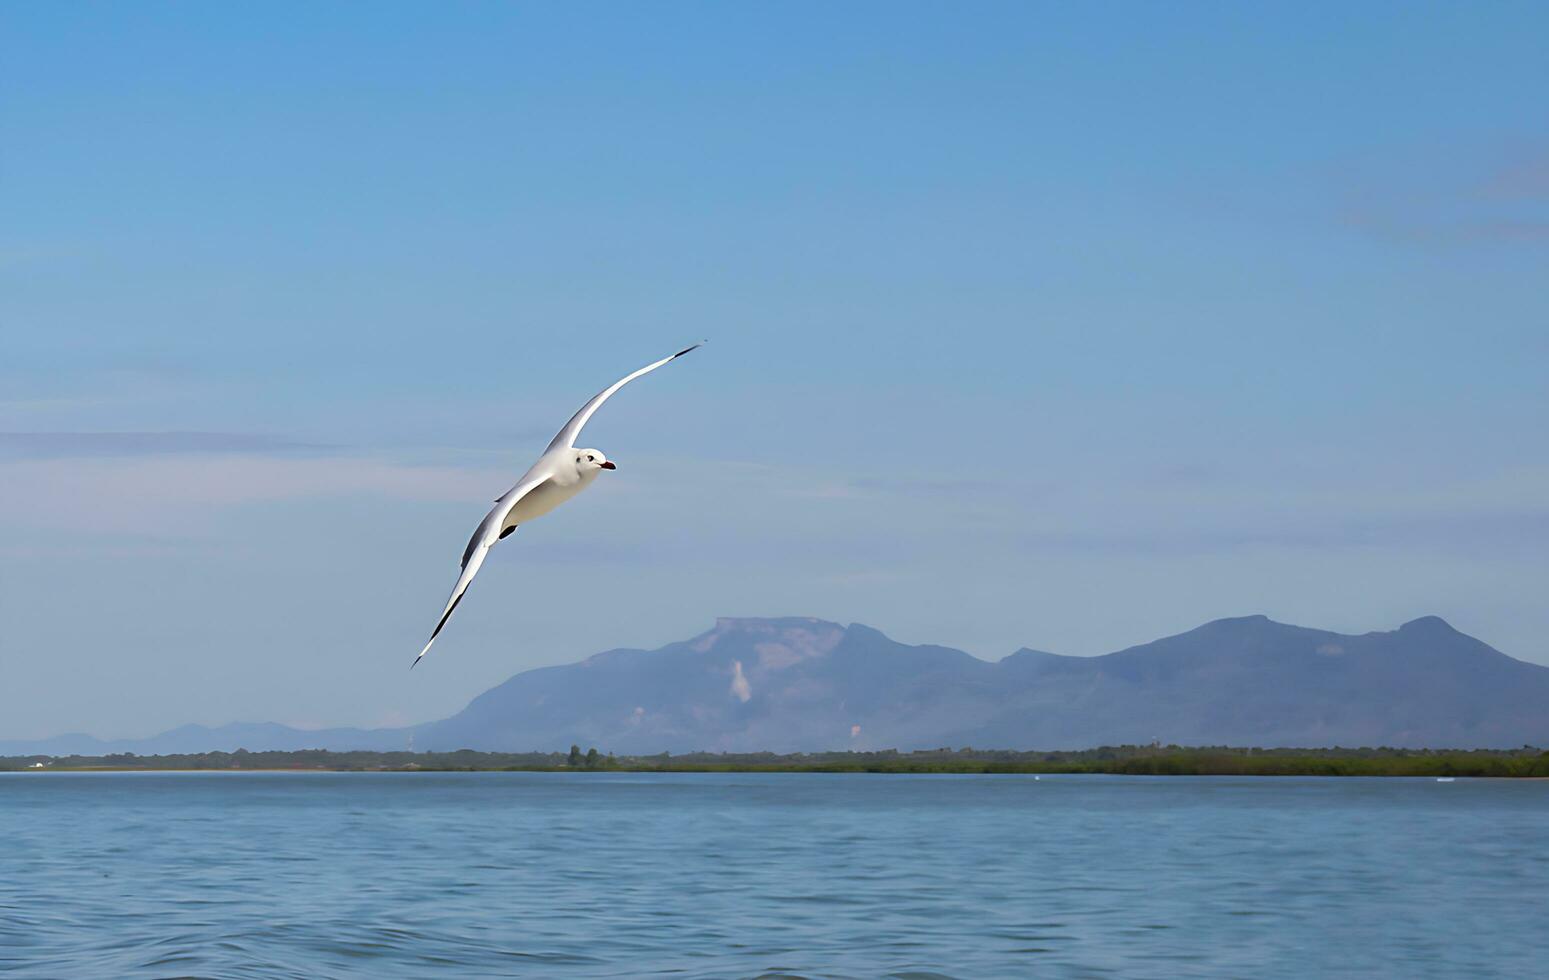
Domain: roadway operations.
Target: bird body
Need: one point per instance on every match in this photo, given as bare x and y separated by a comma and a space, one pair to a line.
559, 474
566, 479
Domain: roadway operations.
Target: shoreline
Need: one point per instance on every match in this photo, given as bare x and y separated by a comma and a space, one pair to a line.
1128, 760
150, 771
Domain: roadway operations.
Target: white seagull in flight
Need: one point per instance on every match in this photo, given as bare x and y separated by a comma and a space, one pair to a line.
559, 474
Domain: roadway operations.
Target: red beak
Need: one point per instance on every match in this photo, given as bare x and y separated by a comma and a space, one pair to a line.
609, 465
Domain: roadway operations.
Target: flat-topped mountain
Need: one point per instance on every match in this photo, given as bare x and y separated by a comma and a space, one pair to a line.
793, 684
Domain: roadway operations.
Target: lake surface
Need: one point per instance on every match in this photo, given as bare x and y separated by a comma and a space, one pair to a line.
627, 875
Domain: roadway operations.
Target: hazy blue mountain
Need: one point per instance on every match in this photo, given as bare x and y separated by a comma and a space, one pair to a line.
804, 684
812, 685
1251, 681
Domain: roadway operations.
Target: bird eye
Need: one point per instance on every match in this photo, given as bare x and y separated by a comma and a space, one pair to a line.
592, 459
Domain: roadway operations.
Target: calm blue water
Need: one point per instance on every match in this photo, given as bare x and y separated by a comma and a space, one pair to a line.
619, 875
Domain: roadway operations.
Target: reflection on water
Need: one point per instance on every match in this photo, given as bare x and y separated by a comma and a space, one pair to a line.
623, 875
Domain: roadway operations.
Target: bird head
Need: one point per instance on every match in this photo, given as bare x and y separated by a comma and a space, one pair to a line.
591, 460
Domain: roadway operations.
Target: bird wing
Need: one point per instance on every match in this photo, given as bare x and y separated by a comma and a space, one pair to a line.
572, 430
483, 539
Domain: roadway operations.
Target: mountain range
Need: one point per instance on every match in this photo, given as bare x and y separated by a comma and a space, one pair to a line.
797, 684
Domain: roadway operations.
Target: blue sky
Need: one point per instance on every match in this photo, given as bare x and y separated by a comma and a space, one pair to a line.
1056, 325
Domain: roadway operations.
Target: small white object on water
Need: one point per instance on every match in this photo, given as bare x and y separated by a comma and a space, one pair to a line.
1446, 779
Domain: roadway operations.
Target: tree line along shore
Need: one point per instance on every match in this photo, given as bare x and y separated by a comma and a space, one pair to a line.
1133, 760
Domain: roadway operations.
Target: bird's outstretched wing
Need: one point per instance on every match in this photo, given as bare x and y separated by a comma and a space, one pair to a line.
489, 531
572, 430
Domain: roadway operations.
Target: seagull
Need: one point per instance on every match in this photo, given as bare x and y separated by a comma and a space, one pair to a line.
559, 474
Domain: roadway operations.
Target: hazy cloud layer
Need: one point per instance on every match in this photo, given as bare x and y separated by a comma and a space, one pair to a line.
156, 493
67, 445
1505, 203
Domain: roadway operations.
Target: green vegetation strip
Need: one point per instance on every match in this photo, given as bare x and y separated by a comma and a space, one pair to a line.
1133, 760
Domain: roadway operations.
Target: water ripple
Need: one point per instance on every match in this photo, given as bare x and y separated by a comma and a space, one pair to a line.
772, 876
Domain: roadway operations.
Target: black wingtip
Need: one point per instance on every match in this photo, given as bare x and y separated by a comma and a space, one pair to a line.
691, 347
444, 617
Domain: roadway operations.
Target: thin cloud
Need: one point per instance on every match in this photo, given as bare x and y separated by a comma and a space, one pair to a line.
83, 445
156, 493
1502, 205
899, 486
1525, 178
872, 487
1460, 532
1431, 230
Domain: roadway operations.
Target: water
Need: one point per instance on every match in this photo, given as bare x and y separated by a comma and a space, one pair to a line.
624, 875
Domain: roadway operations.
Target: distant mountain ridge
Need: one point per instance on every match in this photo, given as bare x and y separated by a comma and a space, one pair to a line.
795, 684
